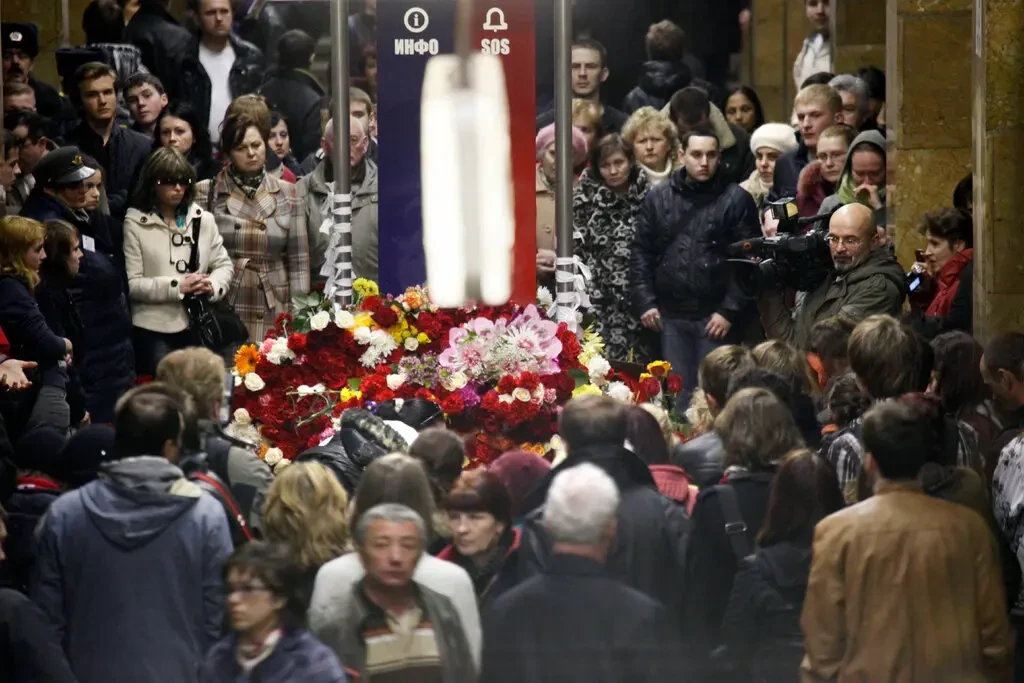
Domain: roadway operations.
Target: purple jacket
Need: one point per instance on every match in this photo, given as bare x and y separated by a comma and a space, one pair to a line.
298, 658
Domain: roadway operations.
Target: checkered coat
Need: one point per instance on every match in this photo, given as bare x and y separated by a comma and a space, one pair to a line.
266, 238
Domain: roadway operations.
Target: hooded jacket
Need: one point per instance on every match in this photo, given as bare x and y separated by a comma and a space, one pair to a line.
128, 572
845, 190
659, 81
300, 98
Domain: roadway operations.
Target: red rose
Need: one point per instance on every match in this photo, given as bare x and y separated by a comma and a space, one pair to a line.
370, 303
283, 320
675, 384
649, 388
385, 316
453, 405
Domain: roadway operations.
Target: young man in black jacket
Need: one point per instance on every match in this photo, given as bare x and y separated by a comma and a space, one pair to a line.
682, 283
295, 92
817, 107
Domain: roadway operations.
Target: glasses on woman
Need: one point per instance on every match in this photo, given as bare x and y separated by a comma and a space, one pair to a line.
174, 182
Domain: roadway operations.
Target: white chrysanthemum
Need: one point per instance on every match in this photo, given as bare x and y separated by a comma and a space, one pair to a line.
279, 352
242, 417
254, 382
320, 321
598, 369
345, 320
273, 456
544, 298
362, 335
395, 381
620, 391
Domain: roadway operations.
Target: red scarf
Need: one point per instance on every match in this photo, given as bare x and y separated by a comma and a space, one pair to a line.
948, 282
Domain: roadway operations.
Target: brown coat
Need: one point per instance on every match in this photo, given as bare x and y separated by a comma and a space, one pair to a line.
266, 238
545, 214
905, 588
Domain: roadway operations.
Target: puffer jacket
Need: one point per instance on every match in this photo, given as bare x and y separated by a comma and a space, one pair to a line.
736, 161
678, 262
649, 549
659, 81
761, 632
246, 75
363, 438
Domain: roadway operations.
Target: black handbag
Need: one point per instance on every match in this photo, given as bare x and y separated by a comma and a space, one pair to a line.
214, 325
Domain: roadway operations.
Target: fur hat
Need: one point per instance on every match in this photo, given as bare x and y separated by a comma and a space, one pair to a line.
777, 136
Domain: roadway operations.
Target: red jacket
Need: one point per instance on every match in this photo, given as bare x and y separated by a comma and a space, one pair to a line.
947, 282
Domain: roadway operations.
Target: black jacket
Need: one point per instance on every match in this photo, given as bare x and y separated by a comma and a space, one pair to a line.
265, 28
121, 158
679, 255
58, 309
246, 75
49, 102
652, 531
711, 562
701, 458
712, 28
29, 648
29, 502
659, 81
761, 636
300, 98
576, 624
737, 161
161, 40
787, 172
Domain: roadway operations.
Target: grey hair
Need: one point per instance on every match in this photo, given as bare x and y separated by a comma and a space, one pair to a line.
852, 84
389, 512
581, 503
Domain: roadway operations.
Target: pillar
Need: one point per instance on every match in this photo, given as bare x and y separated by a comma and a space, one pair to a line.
859, 35
928, 111
998, 103
778, 28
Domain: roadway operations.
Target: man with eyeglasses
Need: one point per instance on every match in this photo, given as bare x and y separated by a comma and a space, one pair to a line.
866, 280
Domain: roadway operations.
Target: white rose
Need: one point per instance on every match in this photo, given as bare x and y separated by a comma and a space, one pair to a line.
505, 398
320, 321
273, 456
345, 320
242, 417
305, 390
598, 369
254, 382
362, 335
238, 380
281, 465
457, 380
411, 343
521, 394
395, 381
620, 391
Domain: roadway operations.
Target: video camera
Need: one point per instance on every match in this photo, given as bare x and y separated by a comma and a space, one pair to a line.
790, 258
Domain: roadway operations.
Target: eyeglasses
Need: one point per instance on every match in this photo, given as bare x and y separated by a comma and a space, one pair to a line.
848, 241
246, 590
170, 182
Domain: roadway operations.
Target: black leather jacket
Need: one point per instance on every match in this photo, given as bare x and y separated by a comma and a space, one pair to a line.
701, 458
246, 75
678, 262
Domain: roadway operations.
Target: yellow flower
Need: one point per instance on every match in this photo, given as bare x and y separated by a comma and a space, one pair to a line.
586, 390
659, 368
365, 287
246, 358
592, 345
538, 449
364, 319
645, 375
349, 394
422, 338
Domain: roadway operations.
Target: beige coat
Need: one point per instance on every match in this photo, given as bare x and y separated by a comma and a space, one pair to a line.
545, 214
905, 588
153, 279
266, 238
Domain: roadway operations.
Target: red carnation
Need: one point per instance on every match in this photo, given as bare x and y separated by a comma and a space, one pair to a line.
506, 385
425, 394
385, 316
370, 303
453, 405
675, 384
282, 320
528, 381
297, 342
385, 395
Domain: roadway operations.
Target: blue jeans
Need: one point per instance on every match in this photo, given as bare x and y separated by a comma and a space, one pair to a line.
684, 343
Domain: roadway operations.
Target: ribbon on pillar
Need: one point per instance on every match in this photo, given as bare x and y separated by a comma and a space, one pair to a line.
337, 266
571, 277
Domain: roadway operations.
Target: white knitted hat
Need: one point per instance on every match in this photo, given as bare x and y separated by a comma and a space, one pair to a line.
778, 136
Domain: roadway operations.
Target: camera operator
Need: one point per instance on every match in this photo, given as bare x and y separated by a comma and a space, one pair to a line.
680, 279
866, 280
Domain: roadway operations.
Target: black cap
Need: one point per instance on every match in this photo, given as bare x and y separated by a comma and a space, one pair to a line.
21, 35
61, 167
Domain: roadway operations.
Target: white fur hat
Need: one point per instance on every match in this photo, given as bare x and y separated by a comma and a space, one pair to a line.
778, 136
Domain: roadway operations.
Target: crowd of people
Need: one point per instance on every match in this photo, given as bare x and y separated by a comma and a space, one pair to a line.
847, 503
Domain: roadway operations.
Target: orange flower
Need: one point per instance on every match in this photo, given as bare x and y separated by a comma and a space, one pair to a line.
659, 368
246, 358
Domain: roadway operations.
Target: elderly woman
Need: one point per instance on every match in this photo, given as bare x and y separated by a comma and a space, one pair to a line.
546, 233
605, 206
261, 222
655, 142
768, 143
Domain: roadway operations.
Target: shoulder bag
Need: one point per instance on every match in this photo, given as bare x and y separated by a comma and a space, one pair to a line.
214, 325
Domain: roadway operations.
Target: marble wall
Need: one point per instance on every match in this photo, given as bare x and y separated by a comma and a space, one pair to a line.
779, 28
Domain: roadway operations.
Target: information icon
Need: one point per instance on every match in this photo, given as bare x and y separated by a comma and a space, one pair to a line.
416, 20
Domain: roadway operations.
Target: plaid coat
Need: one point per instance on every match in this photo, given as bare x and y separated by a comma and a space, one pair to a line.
266, 237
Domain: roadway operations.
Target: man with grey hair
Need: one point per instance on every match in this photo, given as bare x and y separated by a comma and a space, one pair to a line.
394, 629
854, 93
315, 189
574, 622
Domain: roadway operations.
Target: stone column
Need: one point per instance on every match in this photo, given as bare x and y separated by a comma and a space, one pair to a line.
778, 31
928, 111
859, 35
999, 176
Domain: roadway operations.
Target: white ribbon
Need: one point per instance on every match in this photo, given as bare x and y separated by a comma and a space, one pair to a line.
571, 270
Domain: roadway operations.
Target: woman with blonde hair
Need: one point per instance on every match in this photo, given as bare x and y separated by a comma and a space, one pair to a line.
306, 510
757, 431
588, 117
22, 252
655, 142
788, 362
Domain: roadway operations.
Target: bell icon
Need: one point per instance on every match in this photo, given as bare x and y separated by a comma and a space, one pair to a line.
495, 20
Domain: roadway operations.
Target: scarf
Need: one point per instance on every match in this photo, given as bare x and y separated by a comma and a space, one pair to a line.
656, 178
250, 185
756, 188
482, 577
848, 195
250, 655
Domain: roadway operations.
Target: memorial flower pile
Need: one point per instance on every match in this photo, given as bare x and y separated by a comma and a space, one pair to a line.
499, 373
